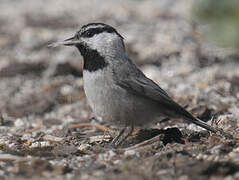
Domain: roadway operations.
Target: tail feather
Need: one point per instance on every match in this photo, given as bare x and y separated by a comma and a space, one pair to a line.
204, 125
210, 128
186, 115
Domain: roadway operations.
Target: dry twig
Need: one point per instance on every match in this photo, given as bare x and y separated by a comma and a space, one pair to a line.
97, 126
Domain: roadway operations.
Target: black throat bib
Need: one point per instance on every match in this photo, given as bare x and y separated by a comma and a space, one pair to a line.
93, 61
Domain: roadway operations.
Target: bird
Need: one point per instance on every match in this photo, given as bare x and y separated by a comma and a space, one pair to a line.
116, 89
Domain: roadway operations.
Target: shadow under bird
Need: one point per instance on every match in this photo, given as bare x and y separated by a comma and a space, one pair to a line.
116, 89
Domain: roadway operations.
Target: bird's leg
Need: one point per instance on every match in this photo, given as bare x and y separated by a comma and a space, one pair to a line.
113, 142
126, 136
120, 141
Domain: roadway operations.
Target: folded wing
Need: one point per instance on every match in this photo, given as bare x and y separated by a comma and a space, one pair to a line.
137, 83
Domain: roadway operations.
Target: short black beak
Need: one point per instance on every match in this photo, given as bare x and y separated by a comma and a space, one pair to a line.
68, 42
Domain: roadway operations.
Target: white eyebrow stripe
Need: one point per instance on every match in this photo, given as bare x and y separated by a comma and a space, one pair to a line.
94, 26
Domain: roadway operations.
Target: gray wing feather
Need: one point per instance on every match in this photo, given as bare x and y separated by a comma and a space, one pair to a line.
142, 86
137, 83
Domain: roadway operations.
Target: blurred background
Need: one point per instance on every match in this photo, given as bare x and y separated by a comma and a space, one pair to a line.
189, 47
220, 20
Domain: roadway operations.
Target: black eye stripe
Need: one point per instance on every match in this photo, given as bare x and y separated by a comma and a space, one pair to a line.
92, 29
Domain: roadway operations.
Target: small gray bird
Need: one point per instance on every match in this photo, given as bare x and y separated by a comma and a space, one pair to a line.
116, 89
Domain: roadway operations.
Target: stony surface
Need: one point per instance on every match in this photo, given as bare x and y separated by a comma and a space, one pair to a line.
42, 95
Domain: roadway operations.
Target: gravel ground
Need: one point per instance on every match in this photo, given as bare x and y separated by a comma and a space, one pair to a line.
42, 97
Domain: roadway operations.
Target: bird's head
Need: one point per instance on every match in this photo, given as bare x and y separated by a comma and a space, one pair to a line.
98, 37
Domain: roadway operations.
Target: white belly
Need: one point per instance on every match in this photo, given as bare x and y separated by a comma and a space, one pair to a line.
114, 104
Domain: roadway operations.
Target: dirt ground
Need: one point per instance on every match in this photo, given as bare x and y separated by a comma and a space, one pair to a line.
42, 97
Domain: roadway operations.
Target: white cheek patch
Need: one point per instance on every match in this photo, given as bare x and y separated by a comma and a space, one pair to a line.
99, 41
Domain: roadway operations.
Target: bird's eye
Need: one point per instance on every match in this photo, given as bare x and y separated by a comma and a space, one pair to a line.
78, 36
88, 33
